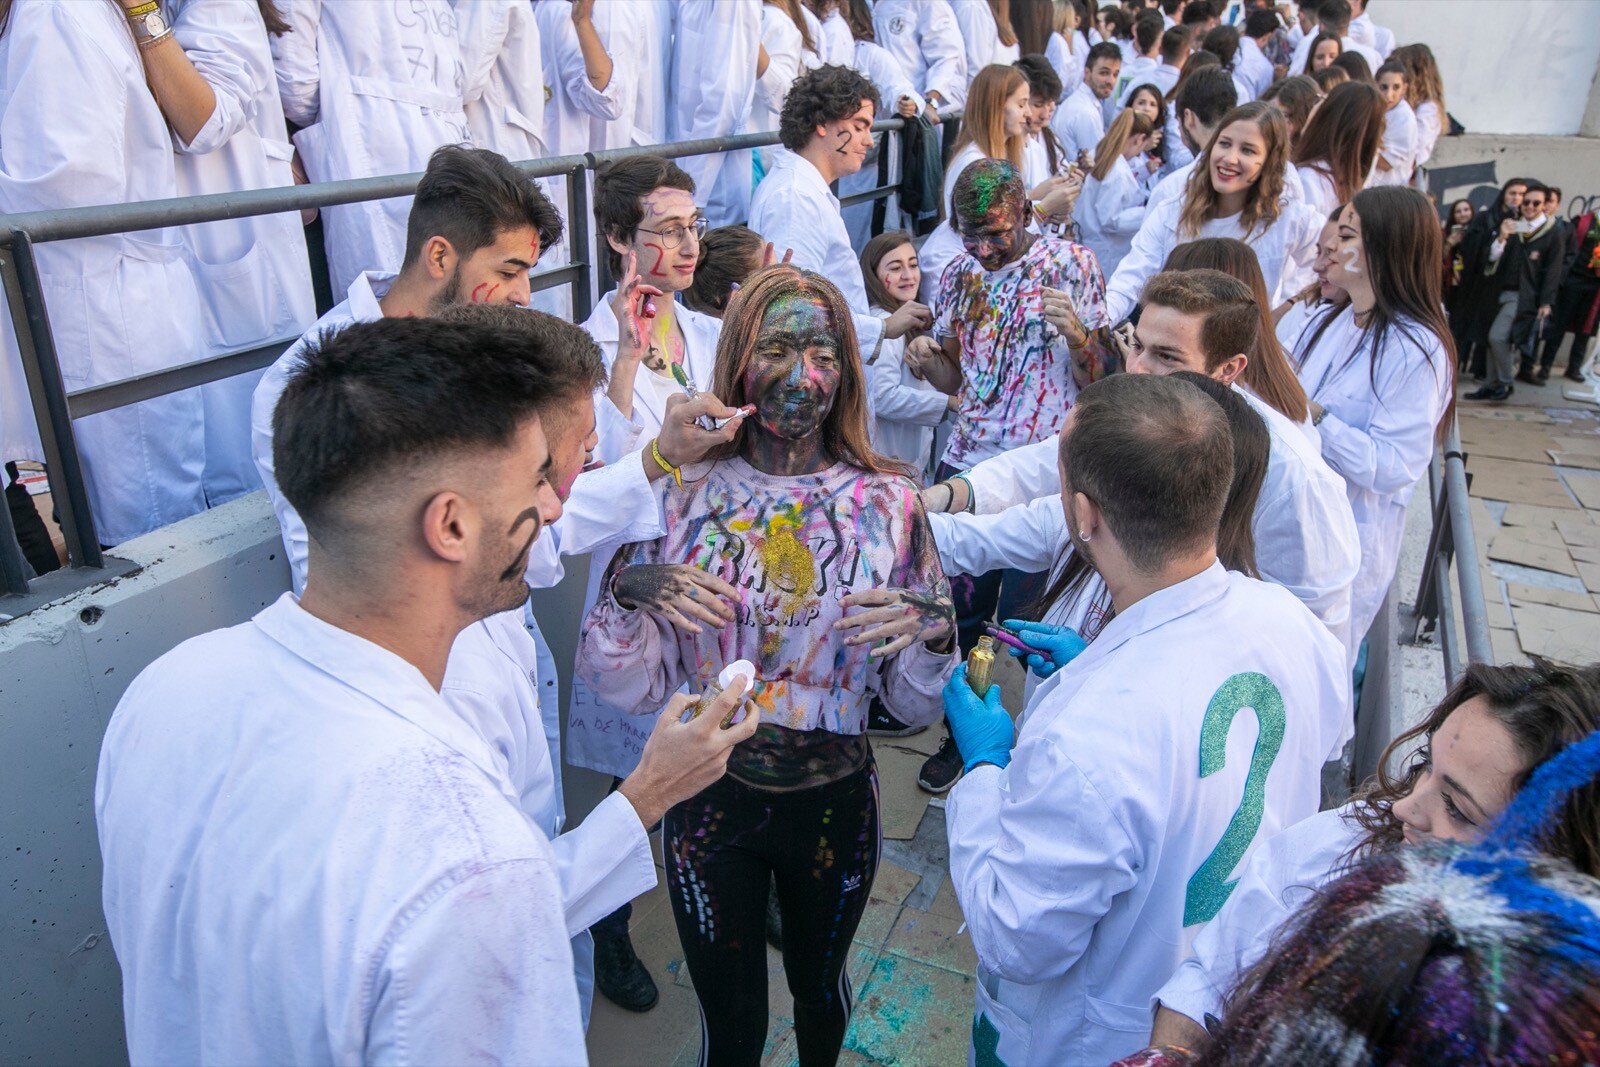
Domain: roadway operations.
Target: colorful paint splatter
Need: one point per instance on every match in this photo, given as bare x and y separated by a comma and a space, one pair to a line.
1017, 370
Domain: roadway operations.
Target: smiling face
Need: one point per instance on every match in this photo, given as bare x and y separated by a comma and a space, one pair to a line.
900, 273
1327, 248
1461, 214
668, 218
1347, 267
1144, 103
1323, 55
1392, 87
572, 434
1102, 77
1533, 204
513, 499
1017, 111
1236, 158
848, 140
793, 374
1473, 766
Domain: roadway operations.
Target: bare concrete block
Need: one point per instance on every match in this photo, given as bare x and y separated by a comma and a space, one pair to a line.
933, 939
893, 883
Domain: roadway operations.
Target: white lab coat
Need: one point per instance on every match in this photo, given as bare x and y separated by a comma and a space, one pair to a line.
253, 274
714, 56
1079, 122
1380, 39
1283, 248
1305, 534
1430, 124
612, 504
377, 88
1109, 212
908, 409
1283, 877
794, 208
981, 36
1378, 433
924, 37
837, 43
282, 882
1252, 69
1162, 75
1079, 866
578, 117
79, 127
600, 736
1067, 59
1398, 146
781, 38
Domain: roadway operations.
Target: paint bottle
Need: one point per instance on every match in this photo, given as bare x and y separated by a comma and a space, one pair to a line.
980, 665
729, 673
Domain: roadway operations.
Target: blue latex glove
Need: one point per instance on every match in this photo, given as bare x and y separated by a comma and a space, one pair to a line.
982, 728
1060, 643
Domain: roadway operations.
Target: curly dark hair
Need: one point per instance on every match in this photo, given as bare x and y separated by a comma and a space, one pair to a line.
820, 96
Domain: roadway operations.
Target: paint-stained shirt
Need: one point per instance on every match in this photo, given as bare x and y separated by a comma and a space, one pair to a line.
794, 547
1017, 383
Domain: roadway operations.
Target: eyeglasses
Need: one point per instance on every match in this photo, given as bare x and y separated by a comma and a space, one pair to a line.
673, 236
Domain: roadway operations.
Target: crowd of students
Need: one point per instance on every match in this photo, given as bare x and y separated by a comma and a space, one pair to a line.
1146, 405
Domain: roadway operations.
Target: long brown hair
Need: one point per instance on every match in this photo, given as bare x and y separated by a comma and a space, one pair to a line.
1129, 123
871, 256
1423, 82
1297, 98
1197, 61
1261, 202
792, 9
844, 431
1266, 371
1404, 247
276, 24
859, 18
1544, 708
1001, 10
1341, 140
1311, 53
1034, 22
984, 123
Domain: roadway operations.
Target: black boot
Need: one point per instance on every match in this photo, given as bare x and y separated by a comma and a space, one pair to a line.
620, 975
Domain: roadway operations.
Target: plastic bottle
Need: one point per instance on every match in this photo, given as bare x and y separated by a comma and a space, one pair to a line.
729, 673
980, 666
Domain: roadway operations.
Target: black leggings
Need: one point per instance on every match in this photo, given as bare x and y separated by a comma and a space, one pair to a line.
723, 848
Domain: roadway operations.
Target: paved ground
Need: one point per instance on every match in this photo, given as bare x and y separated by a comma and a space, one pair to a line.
1535, 468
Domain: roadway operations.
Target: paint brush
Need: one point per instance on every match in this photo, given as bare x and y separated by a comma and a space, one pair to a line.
1007, 637
705, 422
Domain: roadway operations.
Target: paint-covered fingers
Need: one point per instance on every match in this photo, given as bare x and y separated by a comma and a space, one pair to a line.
897, 617
1056, 306
694, 427
681, 595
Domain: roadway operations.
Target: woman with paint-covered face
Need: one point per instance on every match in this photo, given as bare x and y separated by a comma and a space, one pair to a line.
840, 599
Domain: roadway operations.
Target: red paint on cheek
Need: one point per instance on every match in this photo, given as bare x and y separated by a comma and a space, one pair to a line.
661, 254
485, 293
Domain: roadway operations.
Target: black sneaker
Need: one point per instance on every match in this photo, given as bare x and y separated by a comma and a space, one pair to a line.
942, 769
621, 977
774, 919
881, 724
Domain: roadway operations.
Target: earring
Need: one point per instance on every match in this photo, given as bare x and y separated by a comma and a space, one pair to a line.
1083, 535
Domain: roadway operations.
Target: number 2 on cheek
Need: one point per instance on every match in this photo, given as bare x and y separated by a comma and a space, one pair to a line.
1209, 888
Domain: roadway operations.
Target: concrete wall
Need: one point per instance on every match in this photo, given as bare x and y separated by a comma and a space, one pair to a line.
1509, 66
1474, 166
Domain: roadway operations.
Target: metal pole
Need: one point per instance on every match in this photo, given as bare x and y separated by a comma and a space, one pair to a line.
37, 348
13, 567
578, 208
1474, 612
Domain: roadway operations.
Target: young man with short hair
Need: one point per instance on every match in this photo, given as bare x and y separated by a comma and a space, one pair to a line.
1525, 261
1199, 18
1147, 33
1254, 69
1087, 848
1080, 122
826, 125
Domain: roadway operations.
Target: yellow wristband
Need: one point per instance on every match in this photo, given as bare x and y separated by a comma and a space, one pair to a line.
142, 9
655, 453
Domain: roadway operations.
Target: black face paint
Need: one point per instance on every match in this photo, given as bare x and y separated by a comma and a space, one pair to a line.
520, 564
522, 517
844, 141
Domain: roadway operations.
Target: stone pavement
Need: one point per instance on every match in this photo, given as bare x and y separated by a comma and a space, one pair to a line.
1534, 465
911, 965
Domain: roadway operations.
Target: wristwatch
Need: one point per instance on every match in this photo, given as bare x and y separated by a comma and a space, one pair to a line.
148, 28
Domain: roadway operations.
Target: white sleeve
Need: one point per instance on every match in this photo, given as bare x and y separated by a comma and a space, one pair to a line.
1027, 537
568, 54
1146, 256
1125, 214
1037, 857
943, 51
1016, 477
228, 46
893, 400
263, 403
294, 55
603, 863
781, 38
482, 972
1392, 452
481, 27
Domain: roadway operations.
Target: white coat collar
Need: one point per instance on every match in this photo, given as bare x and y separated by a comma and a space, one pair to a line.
700, 334
364, 293
379, 675
805, 173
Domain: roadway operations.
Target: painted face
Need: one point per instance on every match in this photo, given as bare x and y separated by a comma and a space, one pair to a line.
1327, 248
665, 240
1144, 103
1236, 157
1016, 114
1461, 214
1473, 764
1166, 341
1514, 196
850, 139
1347, 267
518, 500
1533, 205
1323, 55
793, 375
1392, 87
572, 436
900, 273
997, 237
1102, 77
496, 273
1040, 112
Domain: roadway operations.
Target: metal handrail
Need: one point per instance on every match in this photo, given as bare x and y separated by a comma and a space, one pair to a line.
1452, 540
54, 408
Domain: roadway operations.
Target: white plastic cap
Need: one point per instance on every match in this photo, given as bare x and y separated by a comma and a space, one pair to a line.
738, 667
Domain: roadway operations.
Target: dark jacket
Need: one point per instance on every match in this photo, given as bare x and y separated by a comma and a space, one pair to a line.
1532, 266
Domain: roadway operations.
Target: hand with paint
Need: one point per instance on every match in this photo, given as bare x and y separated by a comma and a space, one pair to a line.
684, 440
982, 729
676, 592
680, 759
911, 316
1059, 312
769, 256
898, 617
1057, 645
634, 307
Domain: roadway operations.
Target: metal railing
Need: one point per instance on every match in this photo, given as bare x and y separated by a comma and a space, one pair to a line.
54, 408
1452, 539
